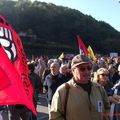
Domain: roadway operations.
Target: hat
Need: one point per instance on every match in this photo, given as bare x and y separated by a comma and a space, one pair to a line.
78, 60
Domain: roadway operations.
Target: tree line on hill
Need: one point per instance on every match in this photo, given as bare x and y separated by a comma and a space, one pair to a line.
50, 29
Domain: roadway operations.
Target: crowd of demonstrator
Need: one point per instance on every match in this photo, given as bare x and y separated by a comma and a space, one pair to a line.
76, 89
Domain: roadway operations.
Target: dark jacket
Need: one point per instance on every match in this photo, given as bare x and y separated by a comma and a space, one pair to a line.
115, 108
51, 83
36, 83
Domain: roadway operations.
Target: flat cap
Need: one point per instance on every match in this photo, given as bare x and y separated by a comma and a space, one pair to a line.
79, 59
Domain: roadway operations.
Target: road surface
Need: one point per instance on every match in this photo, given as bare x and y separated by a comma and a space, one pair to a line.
42, 108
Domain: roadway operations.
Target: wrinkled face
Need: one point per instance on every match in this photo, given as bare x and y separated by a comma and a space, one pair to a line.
54, 68
82, 73
6, 40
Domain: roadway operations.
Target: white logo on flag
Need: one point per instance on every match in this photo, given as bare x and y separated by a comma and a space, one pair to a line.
7, 42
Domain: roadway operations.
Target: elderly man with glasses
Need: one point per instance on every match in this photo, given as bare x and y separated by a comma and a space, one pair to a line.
85, 100
52, 81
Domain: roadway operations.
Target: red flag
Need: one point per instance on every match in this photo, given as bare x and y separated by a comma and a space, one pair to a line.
82, 47
4, 81
14, 59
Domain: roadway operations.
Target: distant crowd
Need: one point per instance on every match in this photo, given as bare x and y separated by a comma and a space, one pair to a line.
76, 89
105, 72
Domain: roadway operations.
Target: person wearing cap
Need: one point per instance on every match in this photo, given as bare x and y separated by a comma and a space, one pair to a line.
85, 101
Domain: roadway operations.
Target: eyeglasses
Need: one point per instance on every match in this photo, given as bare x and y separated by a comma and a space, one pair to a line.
104, 75
82, 69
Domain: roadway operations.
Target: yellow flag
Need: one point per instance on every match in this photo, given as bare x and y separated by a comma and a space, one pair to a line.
61, 56
91, 53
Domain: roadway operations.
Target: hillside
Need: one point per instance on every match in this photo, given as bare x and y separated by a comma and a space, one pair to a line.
50, 29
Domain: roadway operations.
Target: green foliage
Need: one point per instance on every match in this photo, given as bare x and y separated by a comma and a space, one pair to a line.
51, 29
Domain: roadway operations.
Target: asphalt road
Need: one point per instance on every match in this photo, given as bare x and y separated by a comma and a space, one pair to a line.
42, 108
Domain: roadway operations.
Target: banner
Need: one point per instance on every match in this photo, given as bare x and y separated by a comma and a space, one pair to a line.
91, 53
82, 48
20, 91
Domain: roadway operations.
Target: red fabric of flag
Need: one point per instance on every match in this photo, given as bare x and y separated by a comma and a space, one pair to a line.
4, 81
17, 70
82, 46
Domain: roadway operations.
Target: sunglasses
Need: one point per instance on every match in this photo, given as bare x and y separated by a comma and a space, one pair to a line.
104, 75
82, 69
